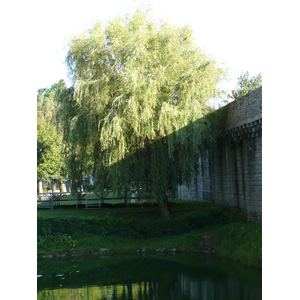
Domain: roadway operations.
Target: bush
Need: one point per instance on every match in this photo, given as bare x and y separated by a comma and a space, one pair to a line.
131, 228
242, 241
203, 218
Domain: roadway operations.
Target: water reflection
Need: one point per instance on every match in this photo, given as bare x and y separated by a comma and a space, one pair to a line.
147, 277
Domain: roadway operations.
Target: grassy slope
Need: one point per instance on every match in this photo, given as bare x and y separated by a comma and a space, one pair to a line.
234, 237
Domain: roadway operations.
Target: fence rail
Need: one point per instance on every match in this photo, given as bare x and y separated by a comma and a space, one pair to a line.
91, 199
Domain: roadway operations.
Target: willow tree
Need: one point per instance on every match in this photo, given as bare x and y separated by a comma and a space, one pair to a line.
139, 87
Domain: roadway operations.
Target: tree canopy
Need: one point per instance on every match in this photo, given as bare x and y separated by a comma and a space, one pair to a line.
132, 115
50, 162
246, 85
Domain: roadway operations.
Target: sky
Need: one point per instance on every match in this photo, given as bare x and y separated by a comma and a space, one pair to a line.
229, 31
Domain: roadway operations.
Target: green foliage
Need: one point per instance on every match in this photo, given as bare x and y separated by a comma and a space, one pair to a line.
236, 238
246, 85
139, 89
131, 228
49, 146
208, 217
50, 161
242, 241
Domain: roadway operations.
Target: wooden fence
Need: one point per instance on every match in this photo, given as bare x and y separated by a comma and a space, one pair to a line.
91, 200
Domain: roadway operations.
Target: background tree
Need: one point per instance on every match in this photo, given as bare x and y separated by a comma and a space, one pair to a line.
246, 85
50, 162
138, 88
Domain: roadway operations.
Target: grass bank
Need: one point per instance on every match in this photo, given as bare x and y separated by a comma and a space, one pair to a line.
194, 227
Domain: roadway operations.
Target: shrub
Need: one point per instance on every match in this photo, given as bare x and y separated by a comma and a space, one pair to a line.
242, 241
131, 228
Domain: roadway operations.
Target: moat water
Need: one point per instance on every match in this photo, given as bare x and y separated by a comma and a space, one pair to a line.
160, 276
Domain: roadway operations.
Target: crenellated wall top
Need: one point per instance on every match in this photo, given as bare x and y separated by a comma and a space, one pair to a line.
245, 112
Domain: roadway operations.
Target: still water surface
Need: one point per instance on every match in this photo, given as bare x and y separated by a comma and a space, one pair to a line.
176, 276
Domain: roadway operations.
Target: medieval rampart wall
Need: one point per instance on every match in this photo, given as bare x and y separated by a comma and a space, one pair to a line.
233, 176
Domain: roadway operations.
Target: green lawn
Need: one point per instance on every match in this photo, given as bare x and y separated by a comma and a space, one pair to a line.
92, 200
118, 208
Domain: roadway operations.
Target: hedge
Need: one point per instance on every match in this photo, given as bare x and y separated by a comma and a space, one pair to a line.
133, 228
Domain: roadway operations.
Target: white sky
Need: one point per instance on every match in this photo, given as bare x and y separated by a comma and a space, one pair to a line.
230, 31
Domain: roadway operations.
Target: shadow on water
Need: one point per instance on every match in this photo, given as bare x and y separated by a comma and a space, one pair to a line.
177, 276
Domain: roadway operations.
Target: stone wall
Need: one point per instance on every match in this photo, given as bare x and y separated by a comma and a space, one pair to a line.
233, 176
200, 190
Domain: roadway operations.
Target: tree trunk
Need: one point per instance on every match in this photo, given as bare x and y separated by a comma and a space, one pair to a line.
62, 187
40, 186
164, 206
53, 187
